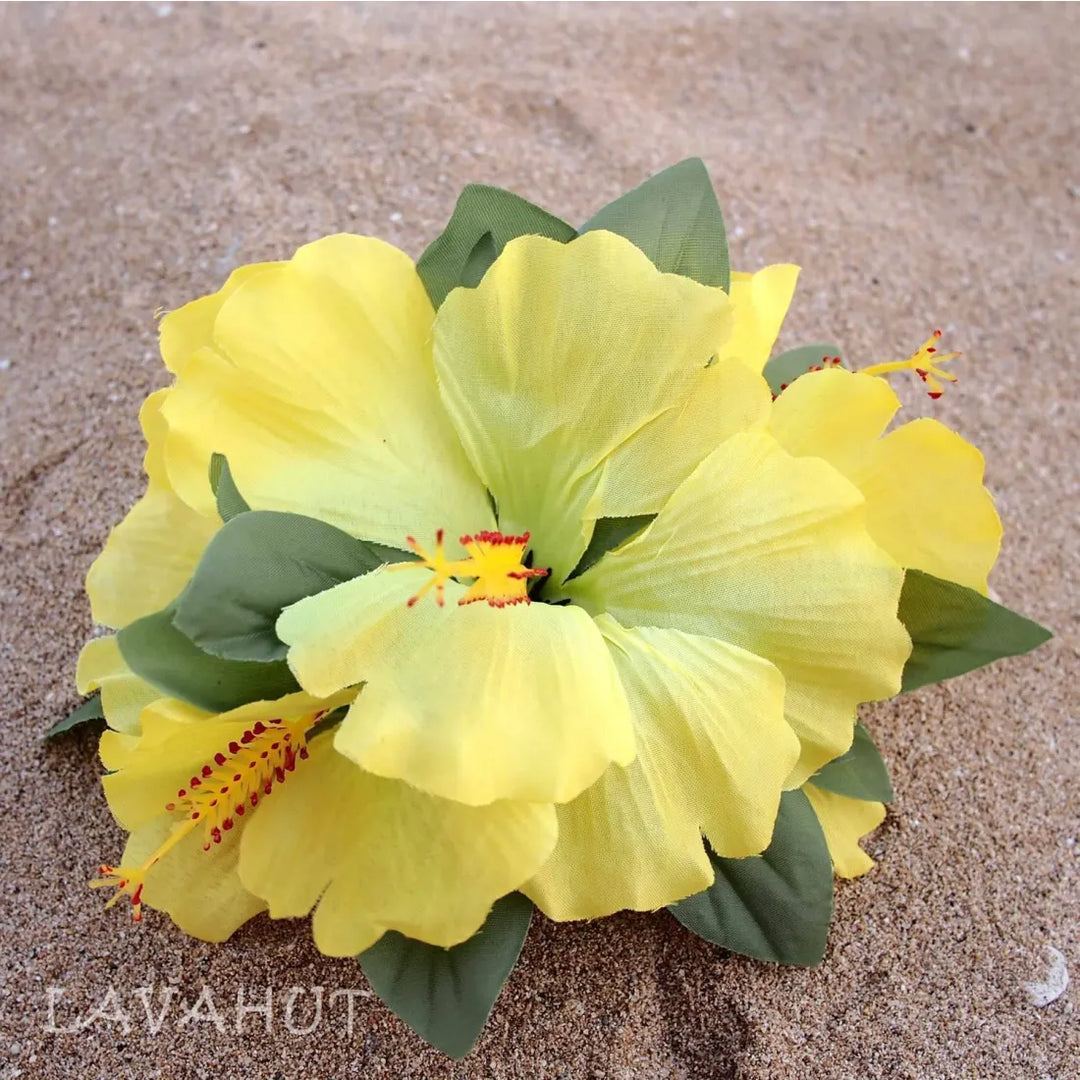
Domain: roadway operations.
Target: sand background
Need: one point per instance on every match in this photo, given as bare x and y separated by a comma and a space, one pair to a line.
920, 162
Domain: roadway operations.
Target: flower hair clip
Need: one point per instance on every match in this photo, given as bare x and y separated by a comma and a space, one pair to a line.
522, 577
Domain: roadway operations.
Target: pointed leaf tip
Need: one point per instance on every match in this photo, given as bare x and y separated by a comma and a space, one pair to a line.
446, 995
675, 219
955, 630
775, 906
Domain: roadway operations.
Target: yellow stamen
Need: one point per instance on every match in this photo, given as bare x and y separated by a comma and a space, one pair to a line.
218, 795
494, 560
926, 363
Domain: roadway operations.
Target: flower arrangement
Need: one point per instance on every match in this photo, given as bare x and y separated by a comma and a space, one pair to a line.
521, 577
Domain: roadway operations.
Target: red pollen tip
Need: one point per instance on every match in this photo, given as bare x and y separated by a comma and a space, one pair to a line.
439, 534
935, 394
206, 770
219, 759
170, 806
412, 601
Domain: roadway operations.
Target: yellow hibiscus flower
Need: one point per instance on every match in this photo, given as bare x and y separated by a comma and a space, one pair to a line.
576, 748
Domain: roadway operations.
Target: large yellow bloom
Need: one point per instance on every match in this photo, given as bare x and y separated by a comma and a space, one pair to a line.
577, 748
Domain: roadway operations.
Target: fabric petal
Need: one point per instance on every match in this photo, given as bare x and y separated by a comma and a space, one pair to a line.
149, 557
639, 477
559, 356
926, 504
760, 302
186, 330
770, 553
377, 854
318, 386
471, 703
845, 822
199, 889
923, 484
714, 751
177, 739
123, 694
833, 414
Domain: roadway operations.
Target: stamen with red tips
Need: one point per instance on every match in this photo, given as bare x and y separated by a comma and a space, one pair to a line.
218, 794
494, 560
925, 362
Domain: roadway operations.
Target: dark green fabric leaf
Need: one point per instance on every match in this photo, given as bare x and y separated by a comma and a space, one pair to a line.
229, 500
480, 258
461, 255
156, 651
258, 564
774, 906
859, 774
954, 630
446, 995
675, 219
89, 710
608, 534
784, 369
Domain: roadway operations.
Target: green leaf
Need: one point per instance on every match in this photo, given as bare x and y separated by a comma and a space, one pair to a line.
156, 651
859, 774
609, 534
774, 906
784, 369
229, 500
257, 565
89, 710
954, 630
446, 995
675, 219
484, 221
480, 258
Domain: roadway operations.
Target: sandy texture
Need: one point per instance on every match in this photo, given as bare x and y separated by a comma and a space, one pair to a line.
920, 162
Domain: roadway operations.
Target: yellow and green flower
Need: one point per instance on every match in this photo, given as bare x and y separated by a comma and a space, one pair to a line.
521, 572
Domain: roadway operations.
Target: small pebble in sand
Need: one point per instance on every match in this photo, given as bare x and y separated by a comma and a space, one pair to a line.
1057, 980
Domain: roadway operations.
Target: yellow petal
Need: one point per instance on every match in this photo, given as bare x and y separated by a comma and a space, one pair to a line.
834, 414
123, 694
562, 353
638, 477
200, 890
770, 553
923, 484
760, 302
845, 822
377, 854
150, 556
177, 740
714, 751
319, 388
926, 504
188, 329
471, 703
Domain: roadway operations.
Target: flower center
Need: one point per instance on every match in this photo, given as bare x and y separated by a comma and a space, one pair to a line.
218, 794
494, 560
926, 363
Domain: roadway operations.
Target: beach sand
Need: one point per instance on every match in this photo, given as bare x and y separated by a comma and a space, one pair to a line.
920, 162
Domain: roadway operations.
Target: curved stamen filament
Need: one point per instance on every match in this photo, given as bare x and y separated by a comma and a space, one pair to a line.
926, 363
219, 794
